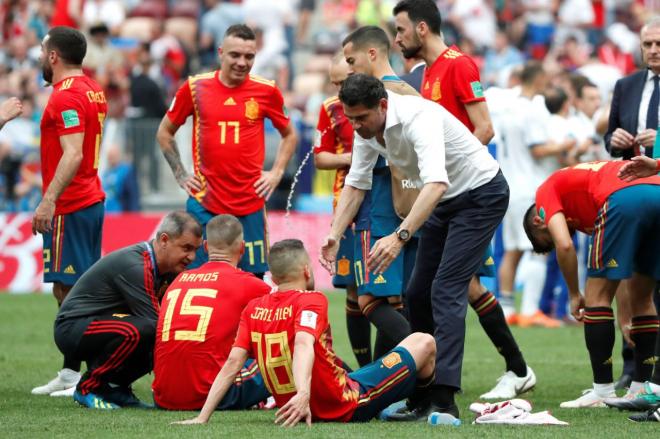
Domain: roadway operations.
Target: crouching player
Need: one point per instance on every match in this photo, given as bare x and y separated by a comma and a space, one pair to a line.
289, 334
197, 324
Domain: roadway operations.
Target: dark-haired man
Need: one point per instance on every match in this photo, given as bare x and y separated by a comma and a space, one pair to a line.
228, 108
109, 318
621, 216
462, 199
70, 214
289, 334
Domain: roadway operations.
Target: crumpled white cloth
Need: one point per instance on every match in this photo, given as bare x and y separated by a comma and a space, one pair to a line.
512, 412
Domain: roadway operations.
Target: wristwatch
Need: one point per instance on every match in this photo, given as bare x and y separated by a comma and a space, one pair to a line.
402, 234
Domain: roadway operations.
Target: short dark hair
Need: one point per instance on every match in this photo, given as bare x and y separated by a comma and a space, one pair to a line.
69, 43
177, 223
531, 70
366, 36
421, 10
555, 98
223, 231
283, 257
579, 90
362, 89
530, 231
242, 31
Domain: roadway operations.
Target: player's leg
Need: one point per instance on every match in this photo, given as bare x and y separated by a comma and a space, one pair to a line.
643, 329
255, 235
510, 260
70, 249
202, 216
404, 370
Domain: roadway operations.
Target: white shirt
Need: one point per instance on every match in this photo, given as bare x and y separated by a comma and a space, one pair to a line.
644, 103
428, 144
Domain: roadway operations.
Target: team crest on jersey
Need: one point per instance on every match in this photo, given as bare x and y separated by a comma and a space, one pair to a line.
252, 110
343, 267
436, 94
391, 360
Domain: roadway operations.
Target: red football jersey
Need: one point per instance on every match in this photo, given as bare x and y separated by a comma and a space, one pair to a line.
334, 134
453, 81
77, 105
581, 190
268, 330
228, 137
196, 328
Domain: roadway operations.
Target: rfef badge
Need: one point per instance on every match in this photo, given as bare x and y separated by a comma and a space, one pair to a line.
436, 93
343, 267
391, 360
252, 110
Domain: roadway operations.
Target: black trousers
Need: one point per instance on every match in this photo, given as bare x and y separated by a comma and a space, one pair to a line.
451, 246
117, 348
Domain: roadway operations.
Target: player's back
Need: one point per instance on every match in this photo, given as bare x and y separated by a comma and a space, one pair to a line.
197, 324
77, 105
268, 330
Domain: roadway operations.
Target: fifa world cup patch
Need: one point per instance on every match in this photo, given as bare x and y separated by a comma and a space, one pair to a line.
477, 89
308, 319
70, 118
343, 267
391, 360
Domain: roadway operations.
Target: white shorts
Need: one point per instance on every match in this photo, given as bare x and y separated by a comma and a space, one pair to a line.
513, 232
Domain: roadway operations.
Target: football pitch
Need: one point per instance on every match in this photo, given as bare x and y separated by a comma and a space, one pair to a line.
28, 357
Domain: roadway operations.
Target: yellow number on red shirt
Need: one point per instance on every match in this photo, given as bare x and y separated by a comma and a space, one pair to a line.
99, 136
187, 308
270, 364
590, 166
223, 130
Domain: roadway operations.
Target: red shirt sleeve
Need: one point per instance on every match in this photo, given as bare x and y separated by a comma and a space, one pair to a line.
312, 314
181, 106
467, 81
257, 288
243, 339
276, 111
548, 201
325, 135
69, 111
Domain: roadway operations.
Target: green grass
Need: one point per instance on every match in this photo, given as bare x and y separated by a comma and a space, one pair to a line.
28, 357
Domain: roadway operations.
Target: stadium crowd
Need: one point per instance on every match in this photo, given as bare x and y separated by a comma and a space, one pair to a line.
551, 74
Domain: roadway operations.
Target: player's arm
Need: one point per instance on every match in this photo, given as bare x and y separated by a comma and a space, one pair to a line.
567, 259
328, 160
551, 148
10, 109
165, 136
221, 384
480, 118
639, 167
297, 408
269, 180
72, 155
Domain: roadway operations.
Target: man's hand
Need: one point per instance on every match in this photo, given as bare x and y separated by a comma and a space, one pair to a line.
267, 183
622, 139
196, 420
328, 255
646, 138
384, 251
293, 411
190, 183
577, 307
42, 221
10, 109
638, 167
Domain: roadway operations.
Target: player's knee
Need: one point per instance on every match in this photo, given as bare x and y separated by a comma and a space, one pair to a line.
421, 346
367, 303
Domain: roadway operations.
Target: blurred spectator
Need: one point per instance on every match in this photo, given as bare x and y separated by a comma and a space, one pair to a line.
374, 12
109, 12
475, 20
19, 56
269, 63
101, 55
500, 59
560, 129
67, 13
337, 19
168, 53
14, 18
39, 22
120, 183
617, 48
28, 188
587, 105
214, 23
539, 17
574, 18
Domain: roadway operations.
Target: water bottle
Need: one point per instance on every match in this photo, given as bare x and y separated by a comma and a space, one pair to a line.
437, 418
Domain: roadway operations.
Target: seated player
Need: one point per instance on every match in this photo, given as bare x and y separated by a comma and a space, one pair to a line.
109, 317
288, 332
197, 324
621, 217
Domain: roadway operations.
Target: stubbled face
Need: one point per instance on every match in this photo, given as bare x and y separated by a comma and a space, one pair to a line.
650, 44
179, 252
367, 122
358, 60
44, 60
237, 58
406, 35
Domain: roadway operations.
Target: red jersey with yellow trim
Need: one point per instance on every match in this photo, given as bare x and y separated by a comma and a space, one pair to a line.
228, 137
580, 191
197, 325
77, 105
334, 134
268, 330
453, 82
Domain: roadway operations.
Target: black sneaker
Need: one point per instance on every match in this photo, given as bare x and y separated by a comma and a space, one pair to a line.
123, 397
650, 416
420, 413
